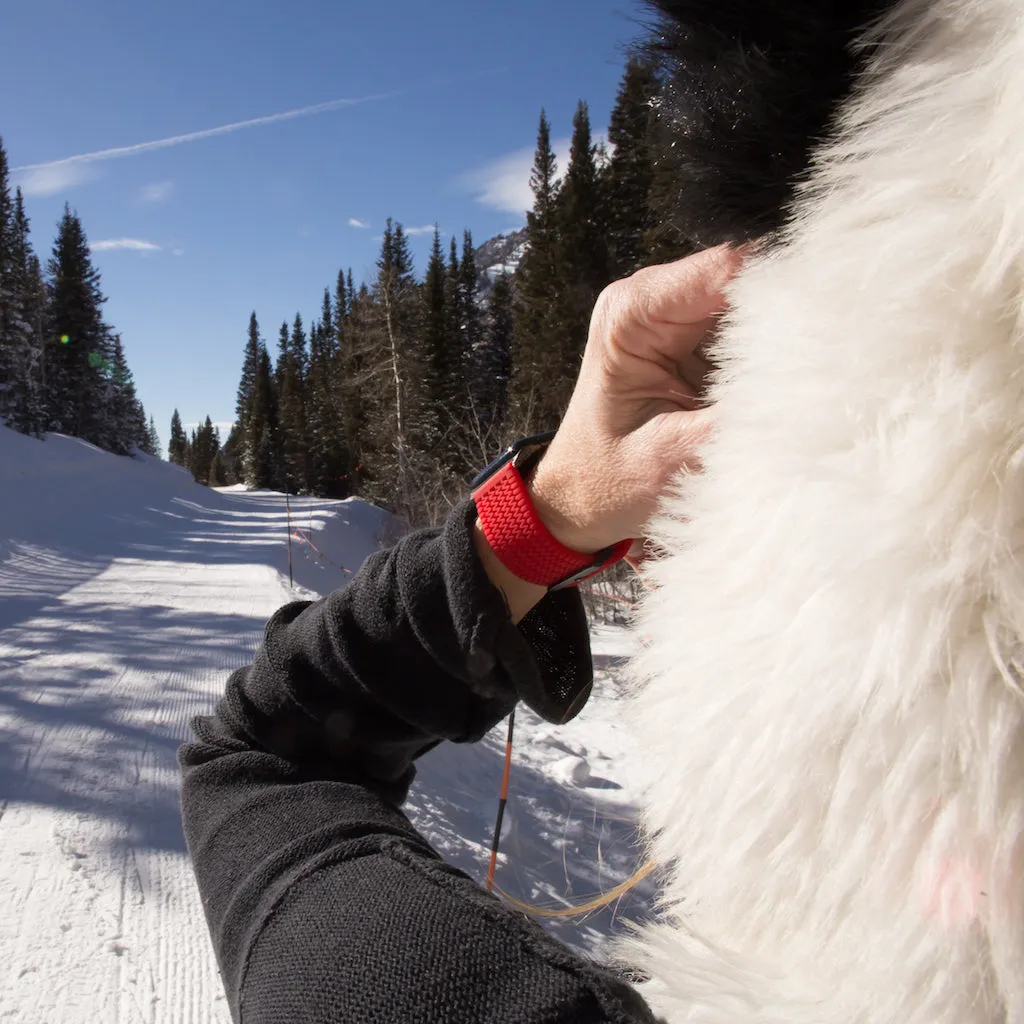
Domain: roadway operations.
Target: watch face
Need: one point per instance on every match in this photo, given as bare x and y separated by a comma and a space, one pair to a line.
522, 451
485, 474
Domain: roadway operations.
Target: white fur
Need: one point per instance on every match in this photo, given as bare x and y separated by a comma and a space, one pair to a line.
831, 701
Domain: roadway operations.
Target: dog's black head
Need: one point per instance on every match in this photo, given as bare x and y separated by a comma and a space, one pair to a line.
750, 87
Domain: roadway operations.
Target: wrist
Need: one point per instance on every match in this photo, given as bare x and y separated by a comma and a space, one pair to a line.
551, 492
520, 596
529, 524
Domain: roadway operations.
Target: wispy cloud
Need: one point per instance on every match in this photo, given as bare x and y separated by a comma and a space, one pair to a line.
504, 183
355, 222
426, 229
54, 179
132, 244
56, 175
158, 192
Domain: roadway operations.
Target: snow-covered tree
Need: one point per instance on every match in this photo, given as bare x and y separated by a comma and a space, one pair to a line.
8, 353
21, 353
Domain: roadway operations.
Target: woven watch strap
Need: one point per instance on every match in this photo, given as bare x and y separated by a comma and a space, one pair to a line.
521, 541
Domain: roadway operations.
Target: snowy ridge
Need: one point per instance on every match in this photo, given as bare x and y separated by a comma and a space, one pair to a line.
499, 255
127, 595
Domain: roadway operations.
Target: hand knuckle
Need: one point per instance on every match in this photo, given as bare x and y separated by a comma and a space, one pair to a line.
609, 296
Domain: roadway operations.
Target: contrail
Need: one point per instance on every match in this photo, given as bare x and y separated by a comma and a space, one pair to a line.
206, 133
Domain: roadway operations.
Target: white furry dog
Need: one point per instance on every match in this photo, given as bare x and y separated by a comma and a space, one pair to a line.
832, 697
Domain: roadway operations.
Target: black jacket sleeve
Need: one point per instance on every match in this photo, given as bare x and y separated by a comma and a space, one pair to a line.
323, 902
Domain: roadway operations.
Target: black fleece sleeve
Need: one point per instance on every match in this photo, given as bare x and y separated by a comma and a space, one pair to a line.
323, 902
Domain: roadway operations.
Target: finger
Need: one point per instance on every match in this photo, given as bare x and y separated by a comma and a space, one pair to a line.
684, 352
690, 290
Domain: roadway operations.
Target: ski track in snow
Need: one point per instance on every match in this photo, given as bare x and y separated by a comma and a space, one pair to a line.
127, 595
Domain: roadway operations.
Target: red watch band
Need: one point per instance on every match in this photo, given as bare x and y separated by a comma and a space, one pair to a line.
521, 541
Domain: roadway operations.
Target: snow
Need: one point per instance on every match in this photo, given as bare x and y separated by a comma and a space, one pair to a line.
127, 594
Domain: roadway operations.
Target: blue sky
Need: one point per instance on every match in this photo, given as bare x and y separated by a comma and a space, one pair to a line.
194, 233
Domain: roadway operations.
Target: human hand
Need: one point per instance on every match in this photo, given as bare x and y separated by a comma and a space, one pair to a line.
636, 415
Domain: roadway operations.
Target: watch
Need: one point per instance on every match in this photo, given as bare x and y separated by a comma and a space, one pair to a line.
514, 530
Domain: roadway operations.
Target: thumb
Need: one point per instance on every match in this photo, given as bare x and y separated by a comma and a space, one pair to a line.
695, 428
690, 433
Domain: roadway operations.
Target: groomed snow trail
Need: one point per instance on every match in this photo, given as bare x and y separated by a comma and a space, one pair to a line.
127, 595
100, 917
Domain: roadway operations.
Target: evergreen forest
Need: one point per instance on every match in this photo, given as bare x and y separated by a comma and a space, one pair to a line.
397, 389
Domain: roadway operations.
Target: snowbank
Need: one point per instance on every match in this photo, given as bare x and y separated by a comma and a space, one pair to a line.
86, 508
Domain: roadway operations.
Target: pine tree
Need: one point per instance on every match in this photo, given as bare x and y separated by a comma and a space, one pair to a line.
391, 373
451, 291
492, 370
328, 329
340, 403
629, 176
243, 403
79, 352
9, 355
218, 472
470, 327
435, 415
232, 456
151, 445
583, 253
37, 316
342, 298
177, 447
262, 450
360, 384
300, 350
283, 346
539, 331
317, 403
125, 420
191, 447
290, 374
205, 449
463, 356
21, 350
330, 465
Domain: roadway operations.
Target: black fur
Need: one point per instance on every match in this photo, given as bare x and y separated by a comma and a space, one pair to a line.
750, 87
